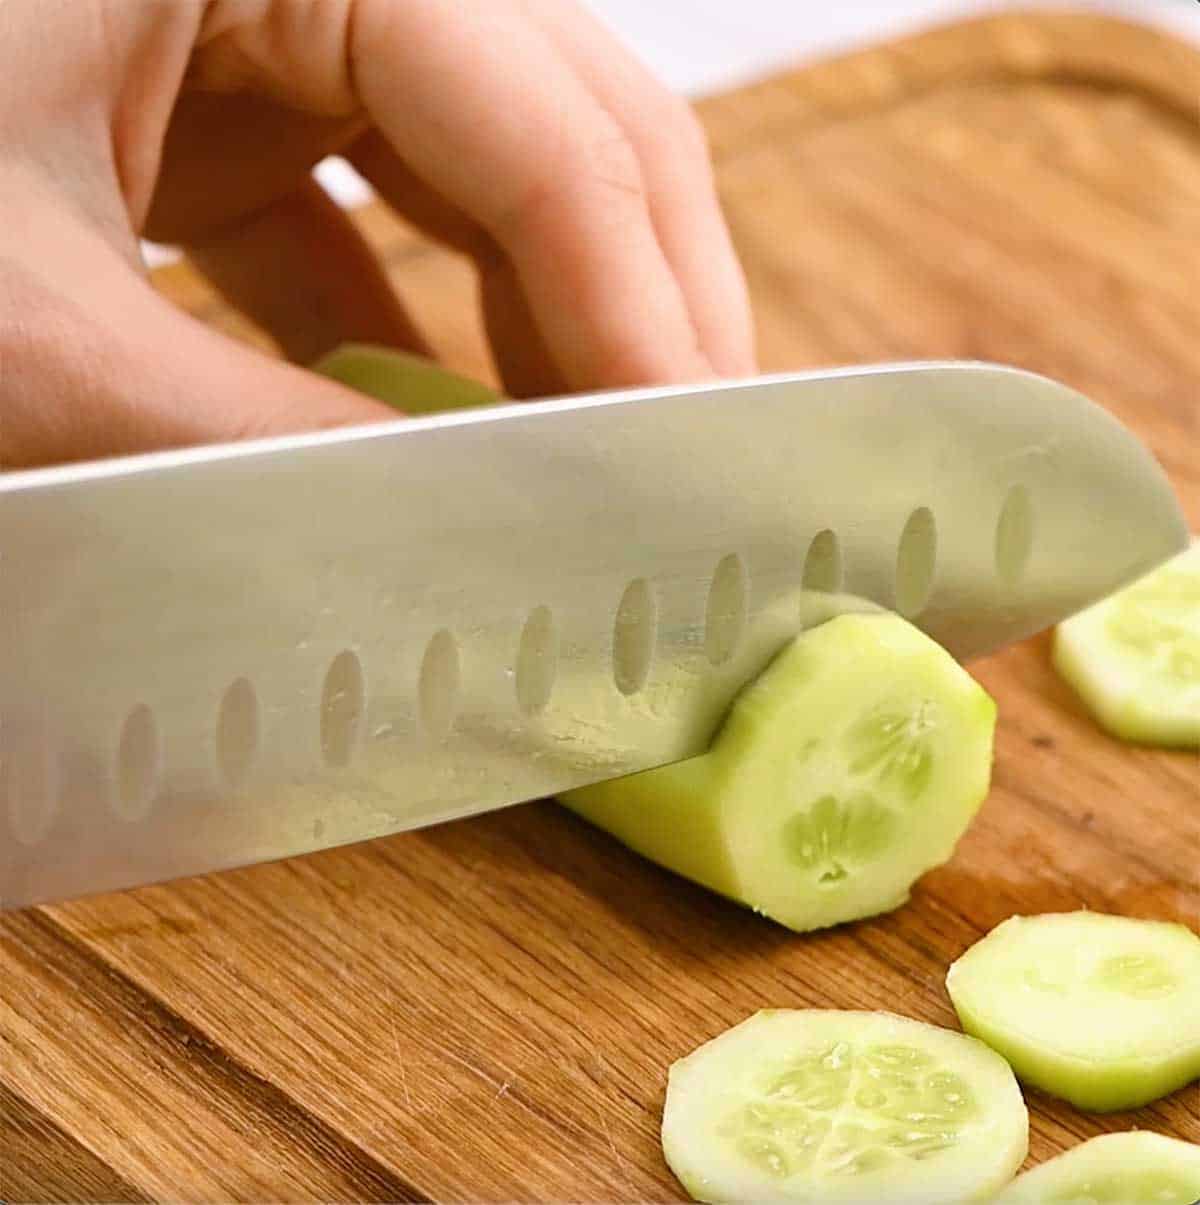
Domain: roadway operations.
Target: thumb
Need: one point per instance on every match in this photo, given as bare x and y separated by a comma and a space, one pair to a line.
81, 381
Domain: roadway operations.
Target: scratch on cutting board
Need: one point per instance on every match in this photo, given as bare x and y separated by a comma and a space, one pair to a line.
399, 1057
471, 1067
511, 1079
620, 1162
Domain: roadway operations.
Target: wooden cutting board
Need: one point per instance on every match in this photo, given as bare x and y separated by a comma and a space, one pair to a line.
486, 1010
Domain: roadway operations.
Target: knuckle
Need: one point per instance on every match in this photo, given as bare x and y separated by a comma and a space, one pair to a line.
600, 168
612, 162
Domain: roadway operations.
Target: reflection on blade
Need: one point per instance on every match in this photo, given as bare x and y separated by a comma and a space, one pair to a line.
228, 655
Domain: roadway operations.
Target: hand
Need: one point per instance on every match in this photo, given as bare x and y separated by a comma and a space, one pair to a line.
518, 131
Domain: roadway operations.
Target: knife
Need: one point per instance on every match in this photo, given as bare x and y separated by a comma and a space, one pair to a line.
233, 654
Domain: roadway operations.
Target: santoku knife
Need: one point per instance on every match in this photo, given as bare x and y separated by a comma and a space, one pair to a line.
239, 653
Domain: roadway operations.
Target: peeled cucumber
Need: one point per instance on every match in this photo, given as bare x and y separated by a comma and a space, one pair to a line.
410, 383
832, 1107
1103, 1011
848, 769
1138, 1168
1134, 659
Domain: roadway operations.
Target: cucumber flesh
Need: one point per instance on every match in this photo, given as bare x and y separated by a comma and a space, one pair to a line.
848, 769
1134, 659
1138, 1168
410, 383
842, 1106
1103, 1011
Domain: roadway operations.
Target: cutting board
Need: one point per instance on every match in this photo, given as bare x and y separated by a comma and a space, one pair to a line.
486, 1010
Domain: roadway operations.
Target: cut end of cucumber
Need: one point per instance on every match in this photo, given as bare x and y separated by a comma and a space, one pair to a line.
842, 1106
847, 770
1103, 1011
1138, 1168
411, 384
1134, 659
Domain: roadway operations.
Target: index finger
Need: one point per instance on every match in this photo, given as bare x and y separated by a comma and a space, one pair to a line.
477, 100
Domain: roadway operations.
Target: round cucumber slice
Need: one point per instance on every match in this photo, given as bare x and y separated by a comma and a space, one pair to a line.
1134, 658
410, 383
1116, 1169
847, 770
842, 1106
1103, 1011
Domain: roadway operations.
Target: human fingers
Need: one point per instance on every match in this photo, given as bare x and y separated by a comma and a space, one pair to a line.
109, 367
525, 365
672, 148
482, 107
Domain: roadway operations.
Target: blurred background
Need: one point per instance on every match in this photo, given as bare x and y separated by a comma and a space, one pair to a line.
699, 46
704, 46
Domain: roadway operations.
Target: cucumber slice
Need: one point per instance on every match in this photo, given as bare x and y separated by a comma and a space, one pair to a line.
848, 769
1103, 1011
842, 1106
410, 383
1115, 1169
1134, 659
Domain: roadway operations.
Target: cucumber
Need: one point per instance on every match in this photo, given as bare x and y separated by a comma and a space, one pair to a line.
842, 1106
1134, 659
410, 383
1115, 1169
1102, 1011
850, 767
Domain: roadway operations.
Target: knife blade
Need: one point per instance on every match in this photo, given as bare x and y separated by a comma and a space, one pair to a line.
225, 655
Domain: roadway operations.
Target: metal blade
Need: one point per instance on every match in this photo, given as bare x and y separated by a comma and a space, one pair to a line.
235, 654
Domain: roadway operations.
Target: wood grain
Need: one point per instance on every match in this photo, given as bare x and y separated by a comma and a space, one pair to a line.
485, 1011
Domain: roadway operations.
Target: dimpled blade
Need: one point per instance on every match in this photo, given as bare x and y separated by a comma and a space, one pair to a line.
235, 654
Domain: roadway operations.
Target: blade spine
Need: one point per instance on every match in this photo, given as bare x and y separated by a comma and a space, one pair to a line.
167, 460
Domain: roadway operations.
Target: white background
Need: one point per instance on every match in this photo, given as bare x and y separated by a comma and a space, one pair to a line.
703, 45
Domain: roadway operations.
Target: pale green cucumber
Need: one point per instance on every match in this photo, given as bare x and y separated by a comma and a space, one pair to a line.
410, 383
850, 767
836, 1107
1103, 1011
1134, 659
1138, 1168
